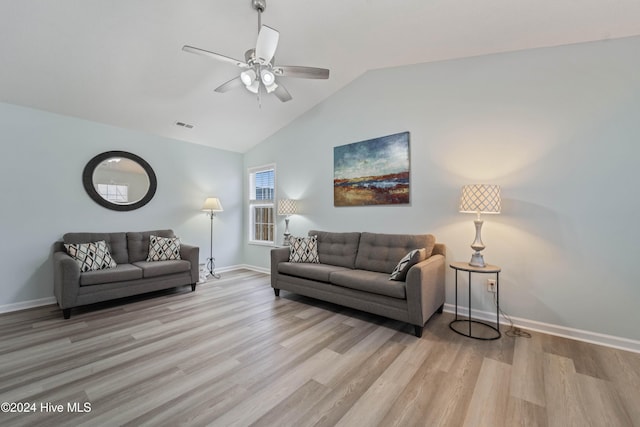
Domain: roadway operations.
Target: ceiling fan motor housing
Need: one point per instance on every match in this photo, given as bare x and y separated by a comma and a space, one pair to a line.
259, 5
250, 56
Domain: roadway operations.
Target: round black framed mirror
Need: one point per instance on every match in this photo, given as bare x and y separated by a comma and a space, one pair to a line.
119, 180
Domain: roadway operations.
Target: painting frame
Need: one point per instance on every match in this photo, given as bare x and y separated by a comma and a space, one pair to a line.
373, 172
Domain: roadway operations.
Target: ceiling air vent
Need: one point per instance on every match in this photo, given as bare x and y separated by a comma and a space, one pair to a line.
184, 125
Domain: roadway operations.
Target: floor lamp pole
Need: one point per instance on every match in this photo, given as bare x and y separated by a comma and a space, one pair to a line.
211, 266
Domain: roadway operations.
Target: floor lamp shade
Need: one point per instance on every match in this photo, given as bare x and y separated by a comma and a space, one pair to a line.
479, 199
212, 204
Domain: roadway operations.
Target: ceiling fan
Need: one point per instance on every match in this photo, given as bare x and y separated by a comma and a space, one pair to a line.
258, 68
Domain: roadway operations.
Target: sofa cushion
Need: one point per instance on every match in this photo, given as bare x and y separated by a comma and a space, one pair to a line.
90, 256
163, 248
408, 261
303, 249
138, 243
116, 242
337, 248
369, 281
382, 252
161, 268
117, 274
318, 272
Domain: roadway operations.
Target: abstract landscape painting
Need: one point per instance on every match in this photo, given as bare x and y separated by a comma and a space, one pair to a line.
372, 172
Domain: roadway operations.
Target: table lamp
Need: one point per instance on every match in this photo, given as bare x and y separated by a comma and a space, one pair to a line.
287, 207
479, 199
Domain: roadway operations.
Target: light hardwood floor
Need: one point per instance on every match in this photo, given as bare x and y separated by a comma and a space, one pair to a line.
233, 354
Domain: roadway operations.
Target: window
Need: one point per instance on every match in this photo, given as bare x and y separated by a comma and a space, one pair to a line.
261, 204
114, 192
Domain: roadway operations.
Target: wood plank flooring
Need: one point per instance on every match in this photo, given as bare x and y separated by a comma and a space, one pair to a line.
231, 354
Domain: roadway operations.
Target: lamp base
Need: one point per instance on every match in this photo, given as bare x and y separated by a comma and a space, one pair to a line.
211, 266
477, 260
285, 242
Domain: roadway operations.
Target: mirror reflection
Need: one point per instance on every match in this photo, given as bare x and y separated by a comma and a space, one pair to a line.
120, 180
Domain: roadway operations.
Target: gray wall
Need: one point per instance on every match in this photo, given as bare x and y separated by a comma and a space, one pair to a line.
557, 128
43, 156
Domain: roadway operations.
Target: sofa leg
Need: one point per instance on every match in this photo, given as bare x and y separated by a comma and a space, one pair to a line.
440, 309
276, 291
193, 287
66, 312
417, 330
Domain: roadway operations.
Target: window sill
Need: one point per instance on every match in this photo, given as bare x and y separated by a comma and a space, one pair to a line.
258, 243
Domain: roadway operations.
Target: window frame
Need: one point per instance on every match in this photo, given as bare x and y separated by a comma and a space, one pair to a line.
256, 203
113, 192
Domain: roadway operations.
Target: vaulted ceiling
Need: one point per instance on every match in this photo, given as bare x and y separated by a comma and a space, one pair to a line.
120, 62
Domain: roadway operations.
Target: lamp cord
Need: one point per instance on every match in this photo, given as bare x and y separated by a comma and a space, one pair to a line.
513, 330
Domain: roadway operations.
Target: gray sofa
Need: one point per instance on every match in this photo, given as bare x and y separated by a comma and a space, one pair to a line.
354, 271
133, 275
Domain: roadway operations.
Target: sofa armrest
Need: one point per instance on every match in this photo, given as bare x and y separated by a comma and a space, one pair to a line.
191, 254
278, 255
425, 288
66, 279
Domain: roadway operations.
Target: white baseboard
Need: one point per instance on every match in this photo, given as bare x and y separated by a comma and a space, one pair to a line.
243, 266
548, 328
7, 308
532, 325
256, 268
228, 268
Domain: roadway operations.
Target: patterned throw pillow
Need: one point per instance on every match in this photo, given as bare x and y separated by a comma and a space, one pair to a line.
163, 248
91, 256
409, 260
303, 249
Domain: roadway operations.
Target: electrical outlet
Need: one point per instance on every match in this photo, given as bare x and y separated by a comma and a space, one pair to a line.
491, 285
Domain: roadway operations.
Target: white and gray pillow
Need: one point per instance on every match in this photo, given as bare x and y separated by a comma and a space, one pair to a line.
91, 256
304, 249
399, 273
163, 248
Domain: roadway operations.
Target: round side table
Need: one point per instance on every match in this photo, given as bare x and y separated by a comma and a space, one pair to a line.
487, 269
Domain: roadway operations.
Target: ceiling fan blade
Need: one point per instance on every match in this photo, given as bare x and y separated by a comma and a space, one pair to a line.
234, 83
282, 94
266, 44
214, 55
301, 72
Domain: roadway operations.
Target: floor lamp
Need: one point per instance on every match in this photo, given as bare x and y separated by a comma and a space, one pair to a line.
211, 206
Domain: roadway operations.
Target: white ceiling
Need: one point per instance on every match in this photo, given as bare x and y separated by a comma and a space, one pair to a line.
120, 62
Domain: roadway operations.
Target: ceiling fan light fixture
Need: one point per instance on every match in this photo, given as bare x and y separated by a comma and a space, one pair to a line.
253, 87
248, 77
267, 77
271, 88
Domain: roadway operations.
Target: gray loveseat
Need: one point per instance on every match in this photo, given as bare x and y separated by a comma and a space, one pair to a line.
133, 275
354, 271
